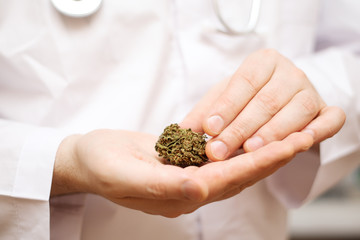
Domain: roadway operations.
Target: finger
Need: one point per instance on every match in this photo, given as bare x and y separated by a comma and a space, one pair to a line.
265, 104
246, 169
299, 141
292, 118
251, 76
327, 124
196, 116
272, 155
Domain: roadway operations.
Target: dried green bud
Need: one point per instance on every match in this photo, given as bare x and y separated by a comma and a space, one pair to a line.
181, 147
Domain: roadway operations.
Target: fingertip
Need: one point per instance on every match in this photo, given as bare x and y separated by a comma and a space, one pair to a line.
217, 150
209, 153
301, 141
308, 142
214, 125
309, 131
330, 120
253, 143
339, 112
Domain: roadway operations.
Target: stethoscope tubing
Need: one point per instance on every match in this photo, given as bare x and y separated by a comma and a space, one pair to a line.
248, 28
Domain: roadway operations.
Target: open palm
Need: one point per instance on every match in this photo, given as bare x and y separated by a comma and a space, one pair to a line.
123, 167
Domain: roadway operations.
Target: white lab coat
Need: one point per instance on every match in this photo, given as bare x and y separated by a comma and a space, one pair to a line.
140, 65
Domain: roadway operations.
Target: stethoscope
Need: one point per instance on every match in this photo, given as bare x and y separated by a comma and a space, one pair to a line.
84, 8
77, 8
251, 23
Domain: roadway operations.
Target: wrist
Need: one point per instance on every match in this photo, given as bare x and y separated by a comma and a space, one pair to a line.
67, 178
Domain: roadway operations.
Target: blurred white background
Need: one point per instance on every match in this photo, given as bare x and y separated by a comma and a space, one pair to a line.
333, 216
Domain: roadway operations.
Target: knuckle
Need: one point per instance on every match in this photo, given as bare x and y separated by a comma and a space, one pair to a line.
268, 102
310, 104
246, 76
157, 190
238, 133
269, 52
298, 73
268, 134
228, 102
105, 183
249, 77
255, 166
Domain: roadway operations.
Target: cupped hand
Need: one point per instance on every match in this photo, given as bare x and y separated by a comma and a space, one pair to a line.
123, 167
266, 99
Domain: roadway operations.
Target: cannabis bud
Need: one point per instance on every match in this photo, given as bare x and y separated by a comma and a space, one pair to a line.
181, 147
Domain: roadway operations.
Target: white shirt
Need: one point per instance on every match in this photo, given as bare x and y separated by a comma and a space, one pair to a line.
140, 65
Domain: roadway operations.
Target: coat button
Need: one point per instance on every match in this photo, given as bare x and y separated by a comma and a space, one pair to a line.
77, 8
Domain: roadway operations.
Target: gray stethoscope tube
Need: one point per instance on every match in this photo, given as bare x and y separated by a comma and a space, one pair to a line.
251, 24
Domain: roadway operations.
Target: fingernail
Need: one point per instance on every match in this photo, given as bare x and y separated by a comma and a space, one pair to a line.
191, 191
219, 150
254, 143
215, 124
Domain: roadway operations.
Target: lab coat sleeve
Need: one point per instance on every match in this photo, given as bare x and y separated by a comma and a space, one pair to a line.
334, 73
27, 155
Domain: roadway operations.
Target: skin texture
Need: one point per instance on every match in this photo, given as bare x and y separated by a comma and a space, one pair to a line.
123, 167
268, 107
266, 99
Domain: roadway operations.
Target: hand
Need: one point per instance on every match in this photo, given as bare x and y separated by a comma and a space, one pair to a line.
124, 168
266, 99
